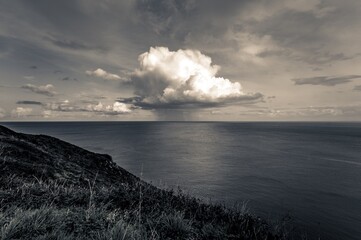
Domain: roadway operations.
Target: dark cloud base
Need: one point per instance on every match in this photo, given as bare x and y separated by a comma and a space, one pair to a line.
141, 102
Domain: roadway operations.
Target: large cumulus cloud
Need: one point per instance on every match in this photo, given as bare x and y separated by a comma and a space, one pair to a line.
170, 79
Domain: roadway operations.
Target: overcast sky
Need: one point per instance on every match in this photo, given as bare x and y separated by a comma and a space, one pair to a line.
239, 60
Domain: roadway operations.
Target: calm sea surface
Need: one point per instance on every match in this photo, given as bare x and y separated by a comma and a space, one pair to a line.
311, 171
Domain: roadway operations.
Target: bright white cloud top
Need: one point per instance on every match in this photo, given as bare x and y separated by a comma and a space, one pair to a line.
183, 77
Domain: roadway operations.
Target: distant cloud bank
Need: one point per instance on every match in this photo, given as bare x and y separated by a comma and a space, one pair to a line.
117, 108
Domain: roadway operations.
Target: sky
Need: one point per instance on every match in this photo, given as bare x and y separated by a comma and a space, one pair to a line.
181, 60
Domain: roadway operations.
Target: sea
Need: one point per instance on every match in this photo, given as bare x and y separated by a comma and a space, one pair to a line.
306, 172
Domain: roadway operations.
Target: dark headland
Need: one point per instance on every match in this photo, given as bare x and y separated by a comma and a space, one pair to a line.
51, 189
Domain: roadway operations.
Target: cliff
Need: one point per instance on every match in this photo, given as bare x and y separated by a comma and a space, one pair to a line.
45, 157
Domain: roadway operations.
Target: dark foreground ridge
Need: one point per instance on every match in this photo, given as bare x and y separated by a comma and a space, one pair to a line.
50, 189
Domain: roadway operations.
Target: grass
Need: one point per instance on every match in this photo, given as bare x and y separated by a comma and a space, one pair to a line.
32, 208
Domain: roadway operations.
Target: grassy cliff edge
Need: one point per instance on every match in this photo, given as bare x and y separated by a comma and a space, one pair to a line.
51, 189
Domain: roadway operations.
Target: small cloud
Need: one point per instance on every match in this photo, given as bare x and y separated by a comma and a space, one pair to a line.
29, 77
105, 75
183, 79
21, 112
48, 114
216, 112
357, 88
25, 102
33, 67
322, 12
316, 69
62, 106
115, 109
91, 96
89, 101
2, 113
44, 90
326, 80
72, 44
69, 78
120, 108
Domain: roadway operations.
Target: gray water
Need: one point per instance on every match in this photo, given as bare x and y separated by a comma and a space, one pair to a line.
310, 171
